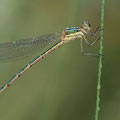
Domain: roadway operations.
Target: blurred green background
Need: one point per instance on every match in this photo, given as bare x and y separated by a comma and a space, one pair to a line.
63, 85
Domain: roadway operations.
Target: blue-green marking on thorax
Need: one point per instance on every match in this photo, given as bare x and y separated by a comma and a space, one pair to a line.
71, 30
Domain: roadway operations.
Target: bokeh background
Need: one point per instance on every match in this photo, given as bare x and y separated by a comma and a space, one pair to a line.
63, 85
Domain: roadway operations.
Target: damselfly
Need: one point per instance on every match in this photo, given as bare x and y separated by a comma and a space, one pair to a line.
16, 49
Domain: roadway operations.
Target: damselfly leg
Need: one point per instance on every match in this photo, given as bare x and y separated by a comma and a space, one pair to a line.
98, 29
90, 43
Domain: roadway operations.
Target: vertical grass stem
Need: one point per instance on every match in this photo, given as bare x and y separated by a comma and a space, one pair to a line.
100, 64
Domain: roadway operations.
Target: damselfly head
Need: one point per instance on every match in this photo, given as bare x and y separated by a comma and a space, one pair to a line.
86, 25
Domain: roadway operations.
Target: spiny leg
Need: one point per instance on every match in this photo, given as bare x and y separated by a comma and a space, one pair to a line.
85, 53
98, 29
93, 42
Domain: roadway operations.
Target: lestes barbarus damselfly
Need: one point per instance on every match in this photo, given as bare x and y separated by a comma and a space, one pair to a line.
16, 49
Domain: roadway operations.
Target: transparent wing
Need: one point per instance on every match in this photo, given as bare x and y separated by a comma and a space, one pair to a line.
23, 48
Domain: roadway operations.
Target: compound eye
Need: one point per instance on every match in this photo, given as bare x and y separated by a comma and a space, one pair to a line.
89, 25
85, 22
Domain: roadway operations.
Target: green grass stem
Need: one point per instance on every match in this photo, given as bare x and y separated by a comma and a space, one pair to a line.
100, 64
